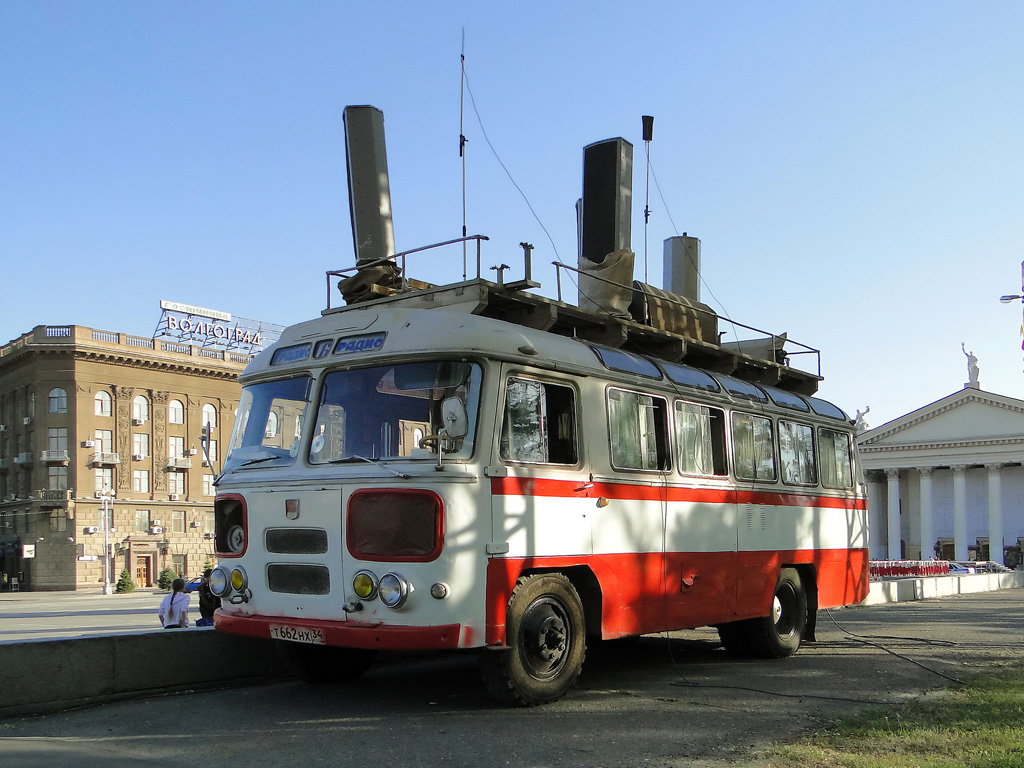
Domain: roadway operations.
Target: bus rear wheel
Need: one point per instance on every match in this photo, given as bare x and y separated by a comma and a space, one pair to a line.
327, 664
546, 639
780, 634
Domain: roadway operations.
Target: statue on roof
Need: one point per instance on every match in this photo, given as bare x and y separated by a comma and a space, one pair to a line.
973, 370
859, 424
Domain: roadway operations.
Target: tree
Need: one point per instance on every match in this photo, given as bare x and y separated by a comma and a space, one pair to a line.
166, 579
125, 583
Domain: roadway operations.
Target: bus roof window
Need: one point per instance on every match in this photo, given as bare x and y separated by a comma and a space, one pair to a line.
744, 389
627, 362
690, 377
825, 408
785, 399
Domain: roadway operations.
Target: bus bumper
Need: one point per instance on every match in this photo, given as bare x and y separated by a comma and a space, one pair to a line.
347, 634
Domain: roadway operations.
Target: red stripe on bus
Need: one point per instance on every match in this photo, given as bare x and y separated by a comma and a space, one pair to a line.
526, 486
645, 592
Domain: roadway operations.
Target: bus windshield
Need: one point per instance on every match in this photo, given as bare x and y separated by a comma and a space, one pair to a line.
268, 424
396, 411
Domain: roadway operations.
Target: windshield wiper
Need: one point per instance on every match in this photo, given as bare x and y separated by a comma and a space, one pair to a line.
259, 460
375, 462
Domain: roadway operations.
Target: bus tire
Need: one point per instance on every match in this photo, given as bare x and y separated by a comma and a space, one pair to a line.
780, 633
546, 637
324, 664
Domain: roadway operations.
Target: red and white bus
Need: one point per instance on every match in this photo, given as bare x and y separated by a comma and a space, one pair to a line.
430, 470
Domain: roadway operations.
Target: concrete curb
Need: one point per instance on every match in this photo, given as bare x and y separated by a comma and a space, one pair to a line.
49, 676
926, 587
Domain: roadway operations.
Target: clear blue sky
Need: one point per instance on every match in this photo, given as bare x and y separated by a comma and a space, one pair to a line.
854, 170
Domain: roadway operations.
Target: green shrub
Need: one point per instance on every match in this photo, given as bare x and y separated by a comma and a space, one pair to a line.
125, 583
166, 579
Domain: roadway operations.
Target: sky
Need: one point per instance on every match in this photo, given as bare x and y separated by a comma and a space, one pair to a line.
852, 169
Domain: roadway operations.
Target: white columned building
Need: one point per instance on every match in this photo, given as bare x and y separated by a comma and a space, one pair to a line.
947, 480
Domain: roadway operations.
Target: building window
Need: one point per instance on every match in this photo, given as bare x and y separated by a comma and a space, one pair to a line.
208, 489
178, 520
104, 478
59, 520
176, 482
57, 478
142, 520
102, 403
104, 439
271, 425
175, 412
178, 564
58, 401
175, 447
211, 518
212, 450
209, 415
140, 409
140, 480
57, 439
140, 444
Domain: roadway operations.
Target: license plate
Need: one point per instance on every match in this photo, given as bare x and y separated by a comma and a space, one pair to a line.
297, 634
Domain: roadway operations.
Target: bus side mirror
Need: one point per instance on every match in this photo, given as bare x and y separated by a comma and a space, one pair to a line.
456, 420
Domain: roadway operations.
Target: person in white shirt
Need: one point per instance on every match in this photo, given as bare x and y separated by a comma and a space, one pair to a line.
174, 608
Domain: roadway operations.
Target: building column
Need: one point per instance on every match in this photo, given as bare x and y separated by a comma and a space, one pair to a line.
927, 526
995, 512
893, 509
960, 513
876, 547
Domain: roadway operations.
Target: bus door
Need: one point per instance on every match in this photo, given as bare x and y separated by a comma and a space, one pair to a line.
538, 501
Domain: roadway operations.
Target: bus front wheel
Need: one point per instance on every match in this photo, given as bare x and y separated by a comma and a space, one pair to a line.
546, 639
780, 633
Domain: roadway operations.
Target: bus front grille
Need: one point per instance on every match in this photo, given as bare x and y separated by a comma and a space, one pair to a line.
294, 579
296, 541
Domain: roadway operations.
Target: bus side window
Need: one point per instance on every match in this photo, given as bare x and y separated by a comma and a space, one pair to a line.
753, 447
639, 431
539, 424
835, 458
796, 453
700, 432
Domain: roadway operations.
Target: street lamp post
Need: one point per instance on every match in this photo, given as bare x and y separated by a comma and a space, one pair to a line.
105, 523
1010, 298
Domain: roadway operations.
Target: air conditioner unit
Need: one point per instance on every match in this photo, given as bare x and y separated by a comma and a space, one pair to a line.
207, 535
138, 456
99, 494
91, 529
174, 496
156, 522
194, 524
192, 451
206, 463
6, 524
156, 529
3, 427
27, 420
138, 422
88, 443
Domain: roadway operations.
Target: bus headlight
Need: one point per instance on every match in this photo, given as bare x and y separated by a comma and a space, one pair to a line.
364, 584
394, 590
220, 582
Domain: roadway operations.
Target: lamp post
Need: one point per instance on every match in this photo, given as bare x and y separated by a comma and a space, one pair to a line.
105, 523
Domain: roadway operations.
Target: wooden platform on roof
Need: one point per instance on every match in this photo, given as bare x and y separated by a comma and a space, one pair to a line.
481, 297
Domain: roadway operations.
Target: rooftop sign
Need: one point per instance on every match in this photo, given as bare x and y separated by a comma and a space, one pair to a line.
187, 324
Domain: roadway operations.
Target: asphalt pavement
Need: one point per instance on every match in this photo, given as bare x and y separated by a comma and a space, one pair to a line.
677, 700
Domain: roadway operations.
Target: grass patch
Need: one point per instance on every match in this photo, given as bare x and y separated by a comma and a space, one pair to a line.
980, 725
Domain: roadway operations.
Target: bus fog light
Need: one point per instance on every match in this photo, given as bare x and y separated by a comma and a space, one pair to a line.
364, 584
439, 590
394, 590
220, 582
239, 579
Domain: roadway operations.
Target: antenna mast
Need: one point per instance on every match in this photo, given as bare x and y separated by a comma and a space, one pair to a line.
462, 147
648, 123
